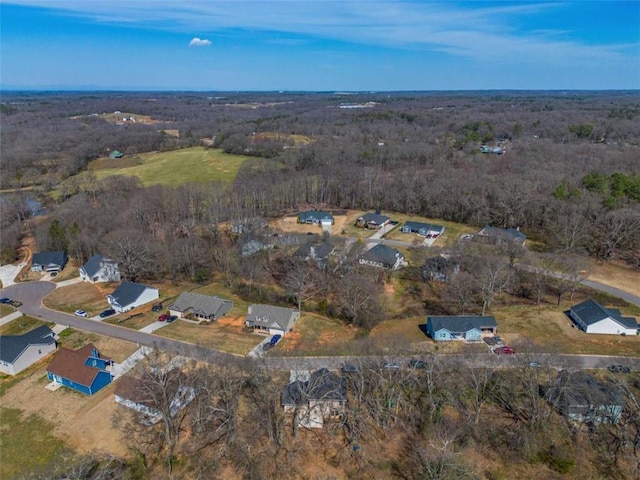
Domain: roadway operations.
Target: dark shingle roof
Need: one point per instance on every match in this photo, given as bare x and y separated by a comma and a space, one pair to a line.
415, 226
322, 385
12, 346
128, 292
376, 218
70, 364
507, 233
382, 254
460, 324
317, 215
45, 258
318, 251
204, 305
591, 312
95, 263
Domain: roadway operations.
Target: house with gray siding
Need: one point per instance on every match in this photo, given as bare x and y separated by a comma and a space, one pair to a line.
468, 328
316, 217
18, 352
500, 236
199, 306
51, 262
429, 230
271, 320
382, 256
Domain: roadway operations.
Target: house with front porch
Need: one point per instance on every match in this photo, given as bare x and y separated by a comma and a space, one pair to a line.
130, 295
382, 256
271, 320
316, 217
85, 370
199, 306
372, 221
429, 230
51, 262
455, 327
100, 269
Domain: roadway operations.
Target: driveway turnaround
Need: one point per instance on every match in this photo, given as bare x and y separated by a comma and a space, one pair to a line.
8, 273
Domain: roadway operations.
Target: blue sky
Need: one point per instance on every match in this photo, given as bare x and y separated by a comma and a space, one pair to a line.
319, 45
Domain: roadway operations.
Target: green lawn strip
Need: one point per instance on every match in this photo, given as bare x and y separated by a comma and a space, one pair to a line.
22, 325
5, 310
135, 321
83, 296
27, 443
177, 167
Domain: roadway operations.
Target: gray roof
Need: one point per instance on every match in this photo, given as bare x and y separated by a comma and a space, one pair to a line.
322, 385
579, 392
382, 254
314, 215
271, 316
47, 258
315, 250
591, 312
427, 226
95, 263
203, 305
374, 218
461, 324
507, 233
12, 346
128, 292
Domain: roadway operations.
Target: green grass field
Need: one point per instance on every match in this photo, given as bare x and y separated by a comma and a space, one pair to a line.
189, 165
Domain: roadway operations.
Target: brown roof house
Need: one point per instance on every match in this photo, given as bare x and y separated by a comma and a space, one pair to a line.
85, 370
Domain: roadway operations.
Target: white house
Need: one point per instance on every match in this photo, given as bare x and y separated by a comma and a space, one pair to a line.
130, 295
48, 261
18, 352
100, 269
592, 317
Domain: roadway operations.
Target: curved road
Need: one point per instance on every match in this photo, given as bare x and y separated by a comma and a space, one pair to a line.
32, 293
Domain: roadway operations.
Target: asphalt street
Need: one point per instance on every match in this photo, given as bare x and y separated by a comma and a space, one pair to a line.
32, 293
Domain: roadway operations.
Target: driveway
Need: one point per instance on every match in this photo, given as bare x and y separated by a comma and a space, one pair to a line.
8, 273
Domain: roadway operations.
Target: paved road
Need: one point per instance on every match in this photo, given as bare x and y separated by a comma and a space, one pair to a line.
32, 293
616, 292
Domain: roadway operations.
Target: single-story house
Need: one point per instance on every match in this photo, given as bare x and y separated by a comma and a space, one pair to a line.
130, 295
204, 307
116, 154
316, 251
85, 370
49, 261
372, 221
500, 236
100, 269
469, 328
592, 317
316, 217
251, 244
382, 256
17, 352
141, 393
428, 230
581, 397
441, 268
322, 396
271, 320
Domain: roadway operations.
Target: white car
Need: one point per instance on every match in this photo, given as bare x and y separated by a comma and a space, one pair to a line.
80, 313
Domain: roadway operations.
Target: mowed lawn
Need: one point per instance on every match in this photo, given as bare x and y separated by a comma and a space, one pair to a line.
189, 165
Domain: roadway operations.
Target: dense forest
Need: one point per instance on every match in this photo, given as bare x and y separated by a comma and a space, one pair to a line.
560, 166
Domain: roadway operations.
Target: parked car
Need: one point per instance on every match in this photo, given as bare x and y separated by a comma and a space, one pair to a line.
275, 339
5, 300
506, 350
349, 368
390, 366
417, 363
267, 346
619, 369
15, 303
80, 313
107, 313
164, 317
534, 365
156, 307
172, 318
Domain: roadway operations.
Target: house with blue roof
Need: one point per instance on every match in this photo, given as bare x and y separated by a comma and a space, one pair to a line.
591, 317
452, 327
500, 236
100, 269
85, 370
373, 221
18, 352
382, 256
130, 295
49, 261
429, 230
316, 217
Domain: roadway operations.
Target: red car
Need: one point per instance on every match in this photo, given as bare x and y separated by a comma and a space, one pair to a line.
163, 317
506, 350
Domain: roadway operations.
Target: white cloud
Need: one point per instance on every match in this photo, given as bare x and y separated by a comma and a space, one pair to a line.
199, 42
